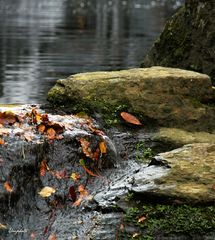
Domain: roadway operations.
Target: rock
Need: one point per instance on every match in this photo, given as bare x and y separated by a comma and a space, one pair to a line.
171, 97
188, 40
179, 137
192, 173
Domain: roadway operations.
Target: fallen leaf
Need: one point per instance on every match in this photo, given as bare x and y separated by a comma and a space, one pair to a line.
59, 174
102, 146
28, 136
86, 147
2, 142
8, 187
130, 118
41, 128
44, 118
43, 168
141, 219
7, 118
86, 169
75, 176
135, 235
51, 134
2, 226
58, 127
83, 193
72, 193
52, 237
46, 191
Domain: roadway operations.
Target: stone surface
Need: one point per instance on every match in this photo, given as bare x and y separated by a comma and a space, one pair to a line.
191, 175
181, 137
172, 97
188, 40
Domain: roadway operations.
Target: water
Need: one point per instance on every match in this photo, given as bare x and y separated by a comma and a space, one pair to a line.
44, 40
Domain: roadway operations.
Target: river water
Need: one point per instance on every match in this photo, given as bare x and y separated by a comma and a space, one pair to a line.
44, 40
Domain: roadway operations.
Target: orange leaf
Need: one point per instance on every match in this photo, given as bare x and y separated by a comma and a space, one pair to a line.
89, 172
130, 118
51, 133
83, 193
102, 146
41, 128
141, 219
2, 142
8, 187
43, 168
52, 237
86, 147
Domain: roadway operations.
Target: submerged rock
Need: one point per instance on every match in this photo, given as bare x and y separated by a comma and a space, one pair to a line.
171, 97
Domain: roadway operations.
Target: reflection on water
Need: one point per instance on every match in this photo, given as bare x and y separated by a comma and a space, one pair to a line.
43, 40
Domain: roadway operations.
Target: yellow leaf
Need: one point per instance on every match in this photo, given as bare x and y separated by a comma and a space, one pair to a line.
47, 192
75, 176
2, 226
102, 147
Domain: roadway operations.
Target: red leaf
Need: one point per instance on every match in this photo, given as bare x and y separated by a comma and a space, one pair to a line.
43, 168
130, 118
72, 193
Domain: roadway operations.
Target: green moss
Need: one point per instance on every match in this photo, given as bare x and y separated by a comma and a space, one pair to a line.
168, 220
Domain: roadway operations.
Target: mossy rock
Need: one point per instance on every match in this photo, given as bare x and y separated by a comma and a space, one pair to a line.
171, 97
188, 40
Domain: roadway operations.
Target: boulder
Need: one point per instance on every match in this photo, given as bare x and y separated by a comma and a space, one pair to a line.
179, 137
188, 40
171, 97
191, 176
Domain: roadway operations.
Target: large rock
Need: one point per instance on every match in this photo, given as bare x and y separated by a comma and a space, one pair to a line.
188, 40
172, 97
191, 175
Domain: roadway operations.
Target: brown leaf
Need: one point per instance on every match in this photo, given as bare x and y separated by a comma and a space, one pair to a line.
41, 128
51, 134
2, 226
28, 136
59, 174
8, 187
130, 118
83, 193
59, 128
7, 118
52, 237
44, 118
43, 168
72, 193
86, 147
102, 146
141, 219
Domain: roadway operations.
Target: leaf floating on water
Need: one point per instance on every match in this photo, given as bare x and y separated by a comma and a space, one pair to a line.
8, 187
102, 146
130, 118
46, 192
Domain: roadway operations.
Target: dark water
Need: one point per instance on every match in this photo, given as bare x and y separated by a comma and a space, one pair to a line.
44, 40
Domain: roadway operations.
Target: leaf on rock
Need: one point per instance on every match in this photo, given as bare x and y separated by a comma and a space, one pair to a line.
44, 118
72, 193
52, 237
86, 169
2, 142
7, 118
28, 136
51, 134
83, 193
86, 147
8, 187
141, 219
2, 226
75, 177
46, 192
59, 174
130, 118
43, 168
102, 146
41, 128
58, 127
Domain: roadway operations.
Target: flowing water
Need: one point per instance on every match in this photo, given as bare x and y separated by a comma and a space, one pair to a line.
43, 40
